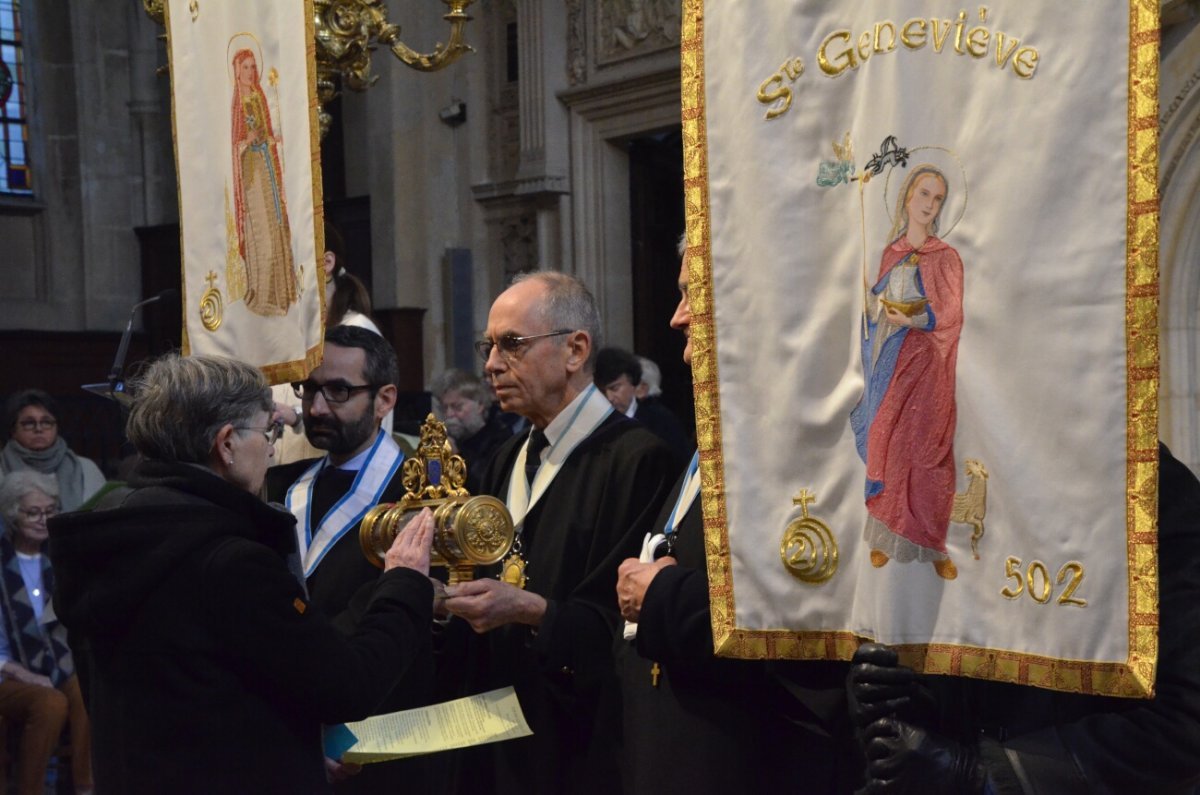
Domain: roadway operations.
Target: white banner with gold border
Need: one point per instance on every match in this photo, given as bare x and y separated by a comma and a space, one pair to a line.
243, 92
922, 253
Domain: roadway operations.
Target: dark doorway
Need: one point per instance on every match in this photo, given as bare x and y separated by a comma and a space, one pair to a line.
656, 207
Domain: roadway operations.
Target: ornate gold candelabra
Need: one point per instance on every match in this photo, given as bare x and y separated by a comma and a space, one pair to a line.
469, 531
346, 33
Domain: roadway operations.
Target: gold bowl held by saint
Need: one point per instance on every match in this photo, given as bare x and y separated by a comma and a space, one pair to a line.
906, 308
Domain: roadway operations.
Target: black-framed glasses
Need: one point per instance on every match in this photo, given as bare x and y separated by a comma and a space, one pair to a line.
38, 514
333, 392
44, 424
271, 433
511, 345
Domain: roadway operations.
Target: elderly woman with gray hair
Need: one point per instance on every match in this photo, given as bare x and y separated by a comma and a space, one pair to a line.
204, 667
39, 691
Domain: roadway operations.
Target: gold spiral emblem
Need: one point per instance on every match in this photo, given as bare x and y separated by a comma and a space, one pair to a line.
212, 307
808, 549
487, 529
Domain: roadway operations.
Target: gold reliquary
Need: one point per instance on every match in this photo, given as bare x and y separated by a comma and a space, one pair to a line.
468, 532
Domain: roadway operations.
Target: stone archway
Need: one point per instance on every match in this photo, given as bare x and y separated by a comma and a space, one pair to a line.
1179, 248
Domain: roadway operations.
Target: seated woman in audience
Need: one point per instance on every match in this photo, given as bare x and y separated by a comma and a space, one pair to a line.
31, 420
38, 687
204, 666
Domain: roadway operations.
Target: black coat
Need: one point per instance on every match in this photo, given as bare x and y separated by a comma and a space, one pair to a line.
604, 499
750, 715
204, 667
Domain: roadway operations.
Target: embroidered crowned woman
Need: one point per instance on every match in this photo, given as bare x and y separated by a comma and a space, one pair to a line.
904, 423
264, 238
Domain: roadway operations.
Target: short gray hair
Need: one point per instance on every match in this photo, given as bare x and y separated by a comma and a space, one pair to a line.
20, 484
651, 377
568, 304
179, 405
466, 384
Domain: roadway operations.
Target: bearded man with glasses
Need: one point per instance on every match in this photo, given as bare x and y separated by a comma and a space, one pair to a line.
583, 487
344, 401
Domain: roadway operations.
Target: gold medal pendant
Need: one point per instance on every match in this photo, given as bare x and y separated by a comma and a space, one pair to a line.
513, 571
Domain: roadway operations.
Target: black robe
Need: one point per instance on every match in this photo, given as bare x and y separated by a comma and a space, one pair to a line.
714, 725
602, 502
340, 587
344, 569
477, 451
662, 421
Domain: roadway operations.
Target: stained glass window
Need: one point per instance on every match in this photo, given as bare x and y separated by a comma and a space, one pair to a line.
15, 176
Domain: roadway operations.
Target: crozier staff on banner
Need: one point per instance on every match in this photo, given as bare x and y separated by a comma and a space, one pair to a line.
244, 111
923, 253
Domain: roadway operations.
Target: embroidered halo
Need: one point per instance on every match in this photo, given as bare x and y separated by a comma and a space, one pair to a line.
242, 41
945, 161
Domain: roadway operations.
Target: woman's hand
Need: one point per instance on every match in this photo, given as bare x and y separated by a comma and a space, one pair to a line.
898, 318
18, 672
411, 547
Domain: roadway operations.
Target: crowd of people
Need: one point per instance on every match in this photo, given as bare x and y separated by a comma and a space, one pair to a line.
213, 612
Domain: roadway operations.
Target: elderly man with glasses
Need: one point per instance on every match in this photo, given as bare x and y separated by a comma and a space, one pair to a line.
344, 401
583, 488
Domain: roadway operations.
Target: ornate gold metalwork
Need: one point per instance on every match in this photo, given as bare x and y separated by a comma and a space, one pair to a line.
155, 10
468, 531
808, 549
346, 32
212, 308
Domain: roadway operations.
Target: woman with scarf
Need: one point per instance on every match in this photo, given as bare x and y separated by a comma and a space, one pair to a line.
31, 417
204, 666
38, 687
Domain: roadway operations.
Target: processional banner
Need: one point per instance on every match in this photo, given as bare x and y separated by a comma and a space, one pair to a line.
922, 250
243, 94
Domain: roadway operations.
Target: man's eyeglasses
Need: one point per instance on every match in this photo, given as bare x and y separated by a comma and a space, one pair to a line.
332, 392
38, 514
511, 345
46, 424
272, 432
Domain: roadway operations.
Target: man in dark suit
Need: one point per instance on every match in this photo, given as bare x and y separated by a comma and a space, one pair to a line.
344, 401
583, 488
618, 375
694, 723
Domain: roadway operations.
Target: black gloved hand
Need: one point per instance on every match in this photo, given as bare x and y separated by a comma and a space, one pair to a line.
906, 758
879, 687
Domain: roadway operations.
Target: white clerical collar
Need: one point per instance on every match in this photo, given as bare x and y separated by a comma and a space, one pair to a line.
629, 412
562, 420
568, 428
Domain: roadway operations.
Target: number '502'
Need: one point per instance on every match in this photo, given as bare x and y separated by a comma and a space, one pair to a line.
1035, 580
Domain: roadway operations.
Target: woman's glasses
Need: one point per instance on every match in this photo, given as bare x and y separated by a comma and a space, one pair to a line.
271, 433
45, 424
38, 514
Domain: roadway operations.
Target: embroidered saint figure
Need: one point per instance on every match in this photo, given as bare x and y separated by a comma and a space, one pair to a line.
260, 208
904, 423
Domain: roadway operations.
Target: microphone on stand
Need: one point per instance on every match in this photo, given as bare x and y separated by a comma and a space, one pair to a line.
114, 387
